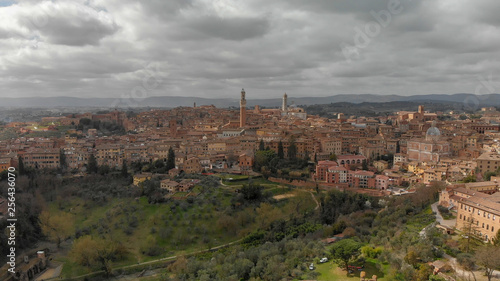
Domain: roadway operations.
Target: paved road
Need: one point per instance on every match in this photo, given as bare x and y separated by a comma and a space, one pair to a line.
440, 219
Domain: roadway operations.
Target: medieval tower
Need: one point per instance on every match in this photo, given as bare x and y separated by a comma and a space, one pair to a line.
284, 107
243, 109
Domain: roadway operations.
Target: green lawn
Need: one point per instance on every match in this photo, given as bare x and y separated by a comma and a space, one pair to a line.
330, 271
180, 194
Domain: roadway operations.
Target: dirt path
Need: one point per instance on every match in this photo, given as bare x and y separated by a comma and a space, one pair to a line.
153, 261
312, 195
315, 200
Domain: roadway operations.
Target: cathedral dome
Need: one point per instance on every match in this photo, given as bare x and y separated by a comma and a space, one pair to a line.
433, 131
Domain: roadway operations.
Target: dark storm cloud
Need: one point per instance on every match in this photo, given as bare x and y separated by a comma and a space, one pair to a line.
214, 48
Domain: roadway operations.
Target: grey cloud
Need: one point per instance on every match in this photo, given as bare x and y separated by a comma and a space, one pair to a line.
162, 8
213, 48
72, 25
235, 28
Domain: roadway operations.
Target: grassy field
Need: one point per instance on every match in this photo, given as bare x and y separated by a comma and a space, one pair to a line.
330, 271
240, 182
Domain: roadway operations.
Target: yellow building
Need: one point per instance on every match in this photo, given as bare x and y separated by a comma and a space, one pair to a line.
141, 178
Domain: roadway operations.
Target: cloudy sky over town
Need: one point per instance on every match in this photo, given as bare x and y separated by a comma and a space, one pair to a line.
213, 48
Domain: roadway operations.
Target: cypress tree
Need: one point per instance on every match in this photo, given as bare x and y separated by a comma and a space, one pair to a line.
170, 159
292, 151
22, 171
281, 154
92, 165
124, 170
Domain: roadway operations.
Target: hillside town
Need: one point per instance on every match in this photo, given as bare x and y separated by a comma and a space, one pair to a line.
351, 151
377, 156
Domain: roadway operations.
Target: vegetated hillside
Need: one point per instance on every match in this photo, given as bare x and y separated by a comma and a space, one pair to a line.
137, 224
372, 109
104, 223
303, 99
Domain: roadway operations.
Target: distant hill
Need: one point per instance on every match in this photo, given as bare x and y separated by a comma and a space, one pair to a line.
169, 101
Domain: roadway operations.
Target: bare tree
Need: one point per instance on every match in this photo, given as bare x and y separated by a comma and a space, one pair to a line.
488, 257
469, 230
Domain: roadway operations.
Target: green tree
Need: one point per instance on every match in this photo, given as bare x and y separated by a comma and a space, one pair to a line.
99, 253
261, 145
124, 170
411, 258
292, 151
170, 159
56, 227
470, 178
83, 251
496, 239
22, 170
62, 160
92, 165
333, 157
364, 165
252, 192
263, 157
104, 169
85, 122
424, 272
281, 153
488, 174
344, 251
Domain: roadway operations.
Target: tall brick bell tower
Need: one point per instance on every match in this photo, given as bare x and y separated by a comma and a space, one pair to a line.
243, 109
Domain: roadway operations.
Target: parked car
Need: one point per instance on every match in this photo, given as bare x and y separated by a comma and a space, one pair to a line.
311, 266
323, 260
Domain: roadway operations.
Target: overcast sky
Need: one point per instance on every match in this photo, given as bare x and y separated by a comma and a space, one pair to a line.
213, 48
